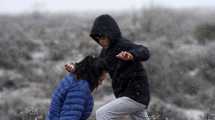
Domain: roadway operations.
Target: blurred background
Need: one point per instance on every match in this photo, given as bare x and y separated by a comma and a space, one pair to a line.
37, 37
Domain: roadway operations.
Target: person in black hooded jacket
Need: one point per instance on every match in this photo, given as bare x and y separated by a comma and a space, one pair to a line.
129, 79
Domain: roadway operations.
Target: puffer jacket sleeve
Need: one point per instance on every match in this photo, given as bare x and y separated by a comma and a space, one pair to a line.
74, 104
56, 103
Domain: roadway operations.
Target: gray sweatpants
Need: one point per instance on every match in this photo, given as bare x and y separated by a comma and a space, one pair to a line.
121, 107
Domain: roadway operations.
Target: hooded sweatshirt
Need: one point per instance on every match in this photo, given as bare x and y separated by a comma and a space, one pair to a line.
128, 77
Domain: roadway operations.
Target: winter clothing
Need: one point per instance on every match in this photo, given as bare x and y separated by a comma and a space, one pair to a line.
71, 100
128, 77
120, 107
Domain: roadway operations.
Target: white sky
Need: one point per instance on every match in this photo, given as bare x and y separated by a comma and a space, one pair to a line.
17, 6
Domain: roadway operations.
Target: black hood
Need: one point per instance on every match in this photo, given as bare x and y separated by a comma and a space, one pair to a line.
105, 25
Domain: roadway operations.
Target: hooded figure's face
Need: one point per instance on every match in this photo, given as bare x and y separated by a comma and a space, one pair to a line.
104, 42
105, 31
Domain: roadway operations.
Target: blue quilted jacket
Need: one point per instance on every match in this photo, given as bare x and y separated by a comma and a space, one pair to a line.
71, 100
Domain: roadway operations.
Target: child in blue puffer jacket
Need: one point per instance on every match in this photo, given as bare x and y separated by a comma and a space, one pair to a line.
72, 99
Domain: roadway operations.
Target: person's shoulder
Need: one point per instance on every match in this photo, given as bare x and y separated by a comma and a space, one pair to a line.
67, 82
124, 42
68, 79
78, 85
81, 89
84, 84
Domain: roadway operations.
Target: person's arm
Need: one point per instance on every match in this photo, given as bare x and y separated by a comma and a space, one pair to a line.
139, 52
135, 52
73, 105
55, 106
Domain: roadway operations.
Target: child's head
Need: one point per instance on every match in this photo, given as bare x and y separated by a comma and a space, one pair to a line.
103, 41
105, 31
92, 69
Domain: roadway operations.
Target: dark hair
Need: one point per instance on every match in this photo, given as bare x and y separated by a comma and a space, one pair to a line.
97, 36
90, 69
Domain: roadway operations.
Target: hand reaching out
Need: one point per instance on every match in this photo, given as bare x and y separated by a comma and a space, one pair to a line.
124, 55
70, 67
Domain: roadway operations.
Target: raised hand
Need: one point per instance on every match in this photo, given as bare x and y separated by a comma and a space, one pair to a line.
70, 67
124, 55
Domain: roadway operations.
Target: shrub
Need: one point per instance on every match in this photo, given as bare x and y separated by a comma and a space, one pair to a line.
205, 32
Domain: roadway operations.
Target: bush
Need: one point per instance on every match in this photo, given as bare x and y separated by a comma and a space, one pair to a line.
205, 33
14, 52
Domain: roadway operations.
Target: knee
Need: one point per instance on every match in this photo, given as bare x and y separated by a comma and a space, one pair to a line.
100, 113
